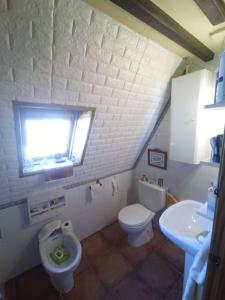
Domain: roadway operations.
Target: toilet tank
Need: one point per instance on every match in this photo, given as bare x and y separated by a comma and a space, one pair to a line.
152, 196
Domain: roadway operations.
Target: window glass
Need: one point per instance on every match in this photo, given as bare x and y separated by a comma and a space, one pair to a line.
80, 137
50, 137
45, 138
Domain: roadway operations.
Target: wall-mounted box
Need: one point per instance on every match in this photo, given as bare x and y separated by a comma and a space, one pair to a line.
44, 205
189, 141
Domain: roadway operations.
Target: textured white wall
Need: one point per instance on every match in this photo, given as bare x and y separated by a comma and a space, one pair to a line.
185, 181
66, 52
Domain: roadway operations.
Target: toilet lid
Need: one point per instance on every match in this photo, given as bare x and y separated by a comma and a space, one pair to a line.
135, 215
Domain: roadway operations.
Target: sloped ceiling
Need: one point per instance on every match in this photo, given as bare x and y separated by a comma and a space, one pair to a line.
186, 13
66, 52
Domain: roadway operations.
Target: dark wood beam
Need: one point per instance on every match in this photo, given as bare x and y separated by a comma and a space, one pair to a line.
213, 9
153, 16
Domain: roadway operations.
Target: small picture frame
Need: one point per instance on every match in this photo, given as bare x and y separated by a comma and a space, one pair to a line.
157, 158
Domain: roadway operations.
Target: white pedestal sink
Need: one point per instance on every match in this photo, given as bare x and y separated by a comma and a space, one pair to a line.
185, 228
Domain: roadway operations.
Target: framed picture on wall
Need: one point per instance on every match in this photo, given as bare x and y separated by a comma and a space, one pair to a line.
157, 158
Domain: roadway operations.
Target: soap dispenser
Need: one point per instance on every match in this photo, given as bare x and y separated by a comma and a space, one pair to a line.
212, 193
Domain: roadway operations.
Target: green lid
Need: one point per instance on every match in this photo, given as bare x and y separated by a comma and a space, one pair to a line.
60, 254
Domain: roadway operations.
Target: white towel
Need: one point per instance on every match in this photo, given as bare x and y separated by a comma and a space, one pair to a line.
115, 186
96, 192
197, 271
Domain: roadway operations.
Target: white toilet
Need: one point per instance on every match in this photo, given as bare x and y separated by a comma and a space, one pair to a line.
136, 219
60, 252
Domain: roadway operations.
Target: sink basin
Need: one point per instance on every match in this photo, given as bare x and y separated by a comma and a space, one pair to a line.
184, 227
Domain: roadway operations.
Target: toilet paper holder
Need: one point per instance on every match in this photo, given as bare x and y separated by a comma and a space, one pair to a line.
97, 182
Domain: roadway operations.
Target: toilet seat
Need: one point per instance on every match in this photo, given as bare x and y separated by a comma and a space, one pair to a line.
135, 215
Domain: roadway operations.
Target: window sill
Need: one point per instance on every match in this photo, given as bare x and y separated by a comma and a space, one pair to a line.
41, 168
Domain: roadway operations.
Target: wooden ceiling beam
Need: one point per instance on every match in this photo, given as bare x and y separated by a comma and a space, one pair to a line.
213, 9
152, 15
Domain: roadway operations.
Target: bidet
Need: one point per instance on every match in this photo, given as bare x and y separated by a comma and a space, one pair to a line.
60, 253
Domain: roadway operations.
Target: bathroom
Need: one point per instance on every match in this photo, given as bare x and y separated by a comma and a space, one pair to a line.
91, 146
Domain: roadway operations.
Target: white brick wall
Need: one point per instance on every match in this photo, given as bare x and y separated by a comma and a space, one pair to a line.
67, 52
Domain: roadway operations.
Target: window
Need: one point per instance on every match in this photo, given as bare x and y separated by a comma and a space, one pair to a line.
50, 136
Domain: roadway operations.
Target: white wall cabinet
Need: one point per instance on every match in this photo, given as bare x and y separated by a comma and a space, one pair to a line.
189, 142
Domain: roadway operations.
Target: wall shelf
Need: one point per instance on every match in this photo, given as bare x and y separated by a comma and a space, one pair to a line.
210, 163
216, 105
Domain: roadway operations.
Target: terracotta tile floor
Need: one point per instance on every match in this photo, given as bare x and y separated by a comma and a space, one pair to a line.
112, 270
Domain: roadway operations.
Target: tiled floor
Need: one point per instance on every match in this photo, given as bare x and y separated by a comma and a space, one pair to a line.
112, 270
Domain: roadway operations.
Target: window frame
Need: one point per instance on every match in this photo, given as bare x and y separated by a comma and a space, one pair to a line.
74, 112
